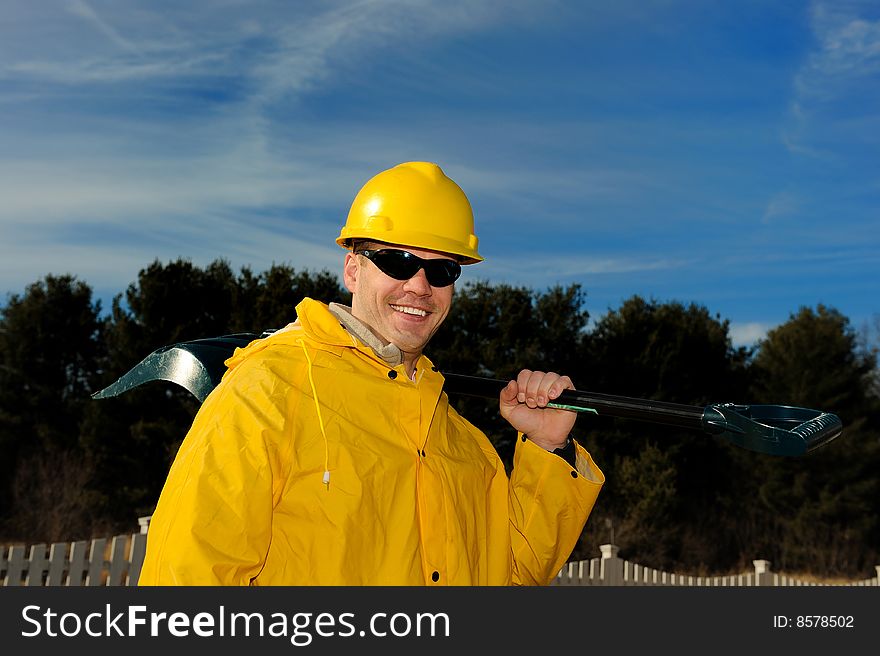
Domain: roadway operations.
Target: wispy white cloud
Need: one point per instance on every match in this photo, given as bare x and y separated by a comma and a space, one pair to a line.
838, 75
119, 169
781, 205
297, 46
225, 185
543, 269
113, 267
297, 52
748, 334
99, 70
308, 52
848, 48
82, 9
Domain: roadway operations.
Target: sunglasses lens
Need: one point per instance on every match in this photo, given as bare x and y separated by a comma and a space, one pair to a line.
402, 265
442, 273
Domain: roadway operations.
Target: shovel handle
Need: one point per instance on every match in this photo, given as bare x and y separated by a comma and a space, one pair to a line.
771, 429
660, 412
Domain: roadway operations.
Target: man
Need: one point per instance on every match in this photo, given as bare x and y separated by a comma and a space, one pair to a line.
329, 455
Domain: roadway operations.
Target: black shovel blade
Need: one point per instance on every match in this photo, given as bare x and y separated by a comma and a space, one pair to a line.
780, 430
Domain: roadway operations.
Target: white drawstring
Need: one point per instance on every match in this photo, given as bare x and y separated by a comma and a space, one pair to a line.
326, 478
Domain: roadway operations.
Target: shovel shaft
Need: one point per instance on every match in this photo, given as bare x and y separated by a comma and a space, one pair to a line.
659, 412
778, 430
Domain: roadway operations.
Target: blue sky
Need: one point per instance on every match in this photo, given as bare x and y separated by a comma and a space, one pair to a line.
723, 153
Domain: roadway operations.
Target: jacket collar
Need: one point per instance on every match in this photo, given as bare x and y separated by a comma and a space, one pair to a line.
388, 352
335, 326
320, 325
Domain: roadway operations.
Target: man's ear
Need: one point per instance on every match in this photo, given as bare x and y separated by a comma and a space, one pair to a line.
350, 272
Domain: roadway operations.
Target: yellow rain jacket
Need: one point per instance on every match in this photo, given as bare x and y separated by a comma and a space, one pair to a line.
414, 494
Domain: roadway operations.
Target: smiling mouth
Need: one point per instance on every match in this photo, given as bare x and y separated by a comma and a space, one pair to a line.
405, 309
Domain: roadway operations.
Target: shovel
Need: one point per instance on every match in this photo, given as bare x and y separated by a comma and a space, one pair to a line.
783, 430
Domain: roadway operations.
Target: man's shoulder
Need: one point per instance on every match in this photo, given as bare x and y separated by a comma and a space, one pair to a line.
265, 360
273, 344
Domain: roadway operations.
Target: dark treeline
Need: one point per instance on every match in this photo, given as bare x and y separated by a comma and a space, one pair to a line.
75, 468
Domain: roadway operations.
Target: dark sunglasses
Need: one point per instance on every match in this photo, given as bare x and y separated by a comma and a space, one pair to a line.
402, 265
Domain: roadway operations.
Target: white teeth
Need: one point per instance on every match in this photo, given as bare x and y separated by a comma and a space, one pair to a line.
410, 310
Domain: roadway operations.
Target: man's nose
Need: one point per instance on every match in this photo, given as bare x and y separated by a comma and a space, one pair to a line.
418, 284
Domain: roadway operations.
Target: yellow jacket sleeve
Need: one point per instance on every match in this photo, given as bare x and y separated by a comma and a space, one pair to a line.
549, 505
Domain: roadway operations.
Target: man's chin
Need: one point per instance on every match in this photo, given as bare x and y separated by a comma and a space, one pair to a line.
410, 343
413, 333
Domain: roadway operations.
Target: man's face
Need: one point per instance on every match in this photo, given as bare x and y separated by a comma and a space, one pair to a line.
406, 313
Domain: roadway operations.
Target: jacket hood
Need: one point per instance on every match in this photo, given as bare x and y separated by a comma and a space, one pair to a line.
313, 319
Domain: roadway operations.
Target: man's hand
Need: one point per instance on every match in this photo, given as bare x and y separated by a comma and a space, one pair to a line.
523, 403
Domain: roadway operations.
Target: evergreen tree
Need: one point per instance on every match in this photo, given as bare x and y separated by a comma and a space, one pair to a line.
51, 343
133, 438
814, 361
820, 510
667, 488
268, 301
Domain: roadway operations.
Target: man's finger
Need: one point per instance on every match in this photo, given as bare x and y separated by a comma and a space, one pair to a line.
509, 393
533, 388
522, 381
560, 384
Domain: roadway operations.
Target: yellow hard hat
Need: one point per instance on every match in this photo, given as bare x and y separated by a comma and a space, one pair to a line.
413, 204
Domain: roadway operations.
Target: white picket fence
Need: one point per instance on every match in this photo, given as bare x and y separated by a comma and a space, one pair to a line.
612, 570
117, 561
